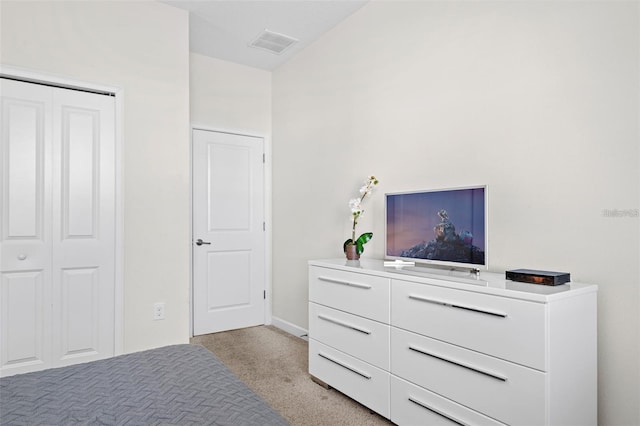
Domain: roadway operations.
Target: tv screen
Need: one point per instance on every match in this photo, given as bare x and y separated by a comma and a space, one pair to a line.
443, 226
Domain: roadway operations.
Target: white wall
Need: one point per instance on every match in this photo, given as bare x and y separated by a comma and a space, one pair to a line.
230, 97
141, 47
539, 100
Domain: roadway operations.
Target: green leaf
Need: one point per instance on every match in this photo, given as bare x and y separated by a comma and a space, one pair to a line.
362, 240
346, 243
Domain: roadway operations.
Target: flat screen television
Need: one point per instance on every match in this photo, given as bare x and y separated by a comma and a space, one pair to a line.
446, 227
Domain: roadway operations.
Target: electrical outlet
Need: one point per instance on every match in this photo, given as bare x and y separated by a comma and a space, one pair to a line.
158, 311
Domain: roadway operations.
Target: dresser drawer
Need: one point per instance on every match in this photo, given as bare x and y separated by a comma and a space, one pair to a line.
357, 379
360, 337
357, 293
412, 405
499, 389
506, 328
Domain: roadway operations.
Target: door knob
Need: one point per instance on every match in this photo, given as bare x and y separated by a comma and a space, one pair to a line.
22, 256
199, 242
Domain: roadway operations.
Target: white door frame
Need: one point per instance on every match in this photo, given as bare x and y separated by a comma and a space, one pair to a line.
267, 217
30, 76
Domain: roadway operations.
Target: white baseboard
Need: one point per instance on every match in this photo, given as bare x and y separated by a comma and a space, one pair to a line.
289, 327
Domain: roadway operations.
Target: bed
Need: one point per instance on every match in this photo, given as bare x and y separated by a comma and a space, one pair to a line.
174, 385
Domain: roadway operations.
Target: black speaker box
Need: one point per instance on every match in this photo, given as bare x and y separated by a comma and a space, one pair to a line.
538, 277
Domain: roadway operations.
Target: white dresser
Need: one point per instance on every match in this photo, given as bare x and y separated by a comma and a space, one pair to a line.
424, 347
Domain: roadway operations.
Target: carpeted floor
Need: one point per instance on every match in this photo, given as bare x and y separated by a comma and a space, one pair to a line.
275, 365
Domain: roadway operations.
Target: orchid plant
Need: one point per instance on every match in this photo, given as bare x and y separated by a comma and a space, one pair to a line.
355, 205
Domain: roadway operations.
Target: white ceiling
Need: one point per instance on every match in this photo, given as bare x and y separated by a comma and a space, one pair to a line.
223, 29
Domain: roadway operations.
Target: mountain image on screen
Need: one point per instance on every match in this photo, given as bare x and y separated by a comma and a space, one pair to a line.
447, 245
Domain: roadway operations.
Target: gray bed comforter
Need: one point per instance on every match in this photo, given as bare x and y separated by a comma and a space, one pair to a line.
174, 385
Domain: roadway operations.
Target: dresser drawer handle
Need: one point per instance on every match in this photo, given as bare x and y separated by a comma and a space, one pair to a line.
343, 365
436, 411
350, 284
459, 363
344, 324
454, 305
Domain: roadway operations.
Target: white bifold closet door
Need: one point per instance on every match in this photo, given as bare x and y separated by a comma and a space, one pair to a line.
57, 236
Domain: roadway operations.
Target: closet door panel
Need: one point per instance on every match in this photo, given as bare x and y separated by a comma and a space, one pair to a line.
84, 227
80, 172
25, 346
25, 231
79, 331
24, 169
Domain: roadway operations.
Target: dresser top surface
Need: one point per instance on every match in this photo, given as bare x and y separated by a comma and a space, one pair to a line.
486, 282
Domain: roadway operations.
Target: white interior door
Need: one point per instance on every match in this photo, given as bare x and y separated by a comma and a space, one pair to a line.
228, 231
57, 257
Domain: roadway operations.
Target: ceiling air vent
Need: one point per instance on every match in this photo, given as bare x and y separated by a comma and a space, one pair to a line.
273, 42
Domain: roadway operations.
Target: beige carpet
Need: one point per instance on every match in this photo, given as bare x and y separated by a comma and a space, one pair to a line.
275, 365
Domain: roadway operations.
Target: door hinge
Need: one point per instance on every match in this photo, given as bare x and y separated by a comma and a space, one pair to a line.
265, 294
264, 226
264, 158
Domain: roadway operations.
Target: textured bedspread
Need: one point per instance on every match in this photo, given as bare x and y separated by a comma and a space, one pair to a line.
174, 385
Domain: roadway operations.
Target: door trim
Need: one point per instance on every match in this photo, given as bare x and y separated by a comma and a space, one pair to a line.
267, 217
31, 76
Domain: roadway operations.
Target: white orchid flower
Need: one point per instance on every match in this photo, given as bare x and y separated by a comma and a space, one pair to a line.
355, 204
